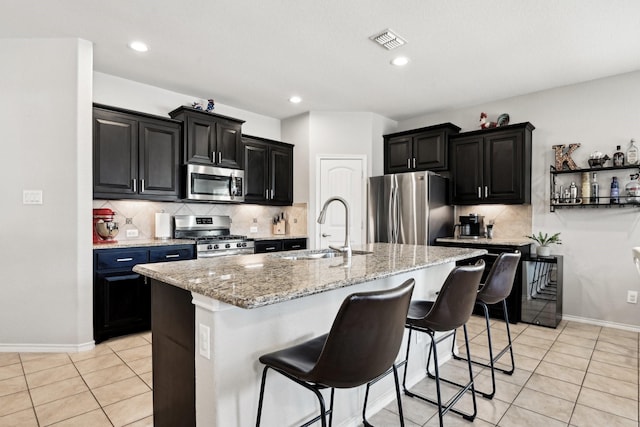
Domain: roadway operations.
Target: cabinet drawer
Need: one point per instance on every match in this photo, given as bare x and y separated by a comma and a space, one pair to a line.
268, 246
294, 244
175, 253
121, 259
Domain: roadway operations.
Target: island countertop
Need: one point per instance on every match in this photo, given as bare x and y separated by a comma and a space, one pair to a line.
251, 281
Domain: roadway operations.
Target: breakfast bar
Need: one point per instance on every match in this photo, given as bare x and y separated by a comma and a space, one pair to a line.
212, 318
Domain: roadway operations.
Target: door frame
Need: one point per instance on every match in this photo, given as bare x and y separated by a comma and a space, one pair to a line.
314, 238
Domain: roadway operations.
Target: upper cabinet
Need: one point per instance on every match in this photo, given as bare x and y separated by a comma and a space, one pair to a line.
268, 171
135, 155
210, 139
492, 166
419, 149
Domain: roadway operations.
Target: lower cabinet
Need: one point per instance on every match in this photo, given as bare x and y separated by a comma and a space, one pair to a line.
121, 297
514, 303
277, 245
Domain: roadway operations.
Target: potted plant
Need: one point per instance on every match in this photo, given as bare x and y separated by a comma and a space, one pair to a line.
544, 240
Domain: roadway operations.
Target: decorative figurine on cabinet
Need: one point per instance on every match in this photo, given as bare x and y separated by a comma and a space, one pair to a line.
484, 124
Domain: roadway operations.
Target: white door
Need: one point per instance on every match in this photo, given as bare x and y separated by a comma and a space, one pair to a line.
343, 177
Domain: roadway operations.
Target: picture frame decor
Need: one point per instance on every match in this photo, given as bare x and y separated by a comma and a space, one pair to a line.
563, 155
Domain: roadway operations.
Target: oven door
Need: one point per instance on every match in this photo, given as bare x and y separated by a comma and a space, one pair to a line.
212, 183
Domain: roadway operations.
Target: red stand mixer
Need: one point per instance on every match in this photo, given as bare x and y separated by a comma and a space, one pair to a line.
105, 229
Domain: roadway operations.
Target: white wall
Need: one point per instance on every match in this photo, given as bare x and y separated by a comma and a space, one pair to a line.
46, 293
598, 268
119, 92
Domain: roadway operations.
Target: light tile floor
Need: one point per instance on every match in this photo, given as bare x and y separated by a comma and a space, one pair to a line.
574, 375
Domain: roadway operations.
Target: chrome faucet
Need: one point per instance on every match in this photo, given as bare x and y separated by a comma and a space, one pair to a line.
346, 249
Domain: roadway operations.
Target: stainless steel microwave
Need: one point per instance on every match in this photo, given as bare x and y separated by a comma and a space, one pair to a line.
211, 183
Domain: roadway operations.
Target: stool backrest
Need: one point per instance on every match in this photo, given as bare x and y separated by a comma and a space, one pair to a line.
365, 337
499, 282
454, 304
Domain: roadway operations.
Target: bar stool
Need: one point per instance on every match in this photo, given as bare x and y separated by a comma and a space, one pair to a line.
496, 289
361, 346
451, 309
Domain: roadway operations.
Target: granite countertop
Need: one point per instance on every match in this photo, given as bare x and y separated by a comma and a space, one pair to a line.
134, 243
484, 241
251, 281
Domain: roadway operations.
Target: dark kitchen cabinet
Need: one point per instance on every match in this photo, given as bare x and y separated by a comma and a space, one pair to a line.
210, 139
135, 156
492, 166
418, 149
514, 300
121, 297
278, 245
268, 171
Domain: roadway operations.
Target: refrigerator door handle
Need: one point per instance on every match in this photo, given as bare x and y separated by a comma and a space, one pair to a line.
390, 215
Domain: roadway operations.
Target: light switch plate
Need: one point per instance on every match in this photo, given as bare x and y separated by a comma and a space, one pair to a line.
32, 197
204, 344
253, 229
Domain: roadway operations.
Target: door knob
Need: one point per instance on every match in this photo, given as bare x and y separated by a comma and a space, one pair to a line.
326, 235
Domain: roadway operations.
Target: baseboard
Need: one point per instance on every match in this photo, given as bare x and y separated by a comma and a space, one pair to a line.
632, 328
46, 348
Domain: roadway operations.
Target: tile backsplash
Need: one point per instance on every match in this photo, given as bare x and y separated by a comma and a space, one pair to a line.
141, 214
510, 221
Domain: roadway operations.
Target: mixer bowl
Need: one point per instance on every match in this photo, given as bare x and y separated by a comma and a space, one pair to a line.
107, 230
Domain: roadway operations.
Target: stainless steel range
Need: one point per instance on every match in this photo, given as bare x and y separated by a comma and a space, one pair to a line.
212, 235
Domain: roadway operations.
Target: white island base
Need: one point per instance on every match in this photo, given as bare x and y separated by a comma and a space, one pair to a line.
228, 378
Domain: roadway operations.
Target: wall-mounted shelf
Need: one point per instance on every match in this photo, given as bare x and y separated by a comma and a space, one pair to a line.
602, 201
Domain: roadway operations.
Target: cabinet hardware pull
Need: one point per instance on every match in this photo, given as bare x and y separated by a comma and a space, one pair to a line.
266, 194
272, 194
142, 185
219, 156
486, 191
135, 186
414, 162
296, 246
124, 259
213, 156
479, 193
172, 256
408, 163
270, 248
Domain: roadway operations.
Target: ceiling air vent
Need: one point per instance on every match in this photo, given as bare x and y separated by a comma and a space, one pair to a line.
388, 39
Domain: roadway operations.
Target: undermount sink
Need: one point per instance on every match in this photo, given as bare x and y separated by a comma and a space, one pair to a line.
316, 254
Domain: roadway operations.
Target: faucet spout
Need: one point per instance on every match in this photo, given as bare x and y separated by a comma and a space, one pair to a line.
346, 249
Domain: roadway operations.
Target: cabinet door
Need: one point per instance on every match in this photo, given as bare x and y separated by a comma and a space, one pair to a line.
466, 169
398, 154
281, 172
115, 153
430, 151
200, 146
121, 304
256, 171
503, 167
159, 160
229, 144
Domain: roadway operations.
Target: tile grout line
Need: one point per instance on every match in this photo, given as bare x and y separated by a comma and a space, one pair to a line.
33, 406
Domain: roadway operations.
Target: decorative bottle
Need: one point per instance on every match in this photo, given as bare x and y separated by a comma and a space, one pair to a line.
632, 154
586, 188
615, 191
594, 189
573, 193
618, 157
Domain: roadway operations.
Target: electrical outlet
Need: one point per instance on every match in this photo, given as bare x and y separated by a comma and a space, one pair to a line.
132, 232
253, 229
204, 341
32, 197
632, 297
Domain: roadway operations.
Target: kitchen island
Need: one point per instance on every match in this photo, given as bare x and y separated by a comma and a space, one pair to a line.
212, 319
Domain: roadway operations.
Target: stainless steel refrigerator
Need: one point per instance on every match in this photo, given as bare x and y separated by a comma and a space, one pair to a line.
409, 208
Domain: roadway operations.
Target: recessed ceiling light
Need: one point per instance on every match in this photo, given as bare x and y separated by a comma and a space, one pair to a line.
400, 61
139, 46
295, 99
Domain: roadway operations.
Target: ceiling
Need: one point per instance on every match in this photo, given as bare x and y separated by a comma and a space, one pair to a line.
255, 54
